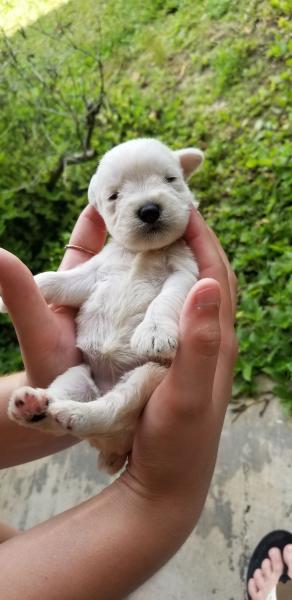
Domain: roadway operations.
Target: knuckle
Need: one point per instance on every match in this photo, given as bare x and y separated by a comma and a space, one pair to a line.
217, 271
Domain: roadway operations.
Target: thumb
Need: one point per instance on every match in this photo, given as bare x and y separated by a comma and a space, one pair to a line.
193, 369
24, 302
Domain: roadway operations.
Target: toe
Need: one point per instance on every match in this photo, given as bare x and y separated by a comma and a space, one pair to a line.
266, 568
287, 554
276, 561
253, 590
259, 579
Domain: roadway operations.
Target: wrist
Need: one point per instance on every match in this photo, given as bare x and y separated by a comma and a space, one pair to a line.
168, 517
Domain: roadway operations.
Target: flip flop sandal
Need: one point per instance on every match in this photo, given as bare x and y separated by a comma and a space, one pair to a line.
274, 539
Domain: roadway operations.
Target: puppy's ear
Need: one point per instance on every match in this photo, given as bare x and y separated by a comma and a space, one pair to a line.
92, 195
190, 160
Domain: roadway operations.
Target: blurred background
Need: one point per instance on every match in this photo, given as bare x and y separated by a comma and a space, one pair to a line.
80, 76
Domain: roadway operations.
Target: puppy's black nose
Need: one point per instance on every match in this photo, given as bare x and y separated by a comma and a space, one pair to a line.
149, 213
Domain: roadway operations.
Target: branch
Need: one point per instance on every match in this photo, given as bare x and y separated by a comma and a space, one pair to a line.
83, 131
63, 161
92, 110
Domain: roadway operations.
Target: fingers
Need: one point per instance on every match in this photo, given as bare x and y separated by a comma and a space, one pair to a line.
230, 274
178, 435
89, 233
214, 263
206, 251
198, 238
24, 302
193, 370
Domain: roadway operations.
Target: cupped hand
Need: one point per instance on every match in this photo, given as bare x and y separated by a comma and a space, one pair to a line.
176, 444
46, 334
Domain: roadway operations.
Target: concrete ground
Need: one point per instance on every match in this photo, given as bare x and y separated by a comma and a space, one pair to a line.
251, 494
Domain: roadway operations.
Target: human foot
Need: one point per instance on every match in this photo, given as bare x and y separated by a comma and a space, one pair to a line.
262, 585
287, 555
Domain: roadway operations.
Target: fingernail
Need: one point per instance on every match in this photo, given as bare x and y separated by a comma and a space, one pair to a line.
207, 297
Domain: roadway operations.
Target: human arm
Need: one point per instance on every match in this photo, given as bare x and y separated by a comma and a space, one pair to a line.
109, 545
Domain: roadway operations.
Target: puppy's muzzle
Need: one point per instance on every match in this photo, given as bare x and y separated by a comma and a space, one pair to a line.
149, 213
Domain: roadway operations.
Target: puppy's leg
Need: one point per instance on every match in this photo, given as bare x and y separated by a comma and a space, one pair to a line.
157, 335
110, 422
30, 406
115, 410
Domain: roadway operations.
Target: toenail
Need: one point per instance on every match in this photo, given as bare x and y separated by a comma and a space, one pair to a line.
288, 548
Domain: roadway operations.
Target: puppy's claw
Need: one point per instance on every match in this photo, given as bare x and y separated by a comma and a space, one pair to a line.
70, 416
152, 340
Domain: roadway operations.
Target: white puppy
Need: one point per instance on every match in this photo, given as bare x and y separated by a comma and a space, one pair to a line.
129, 297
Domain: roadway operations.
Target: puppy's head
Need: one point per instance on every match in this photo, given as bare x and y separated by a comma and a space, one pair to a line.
139, 189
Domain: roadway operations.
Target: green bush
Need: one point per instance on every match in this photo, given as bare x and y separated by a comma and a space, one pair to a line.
211, 73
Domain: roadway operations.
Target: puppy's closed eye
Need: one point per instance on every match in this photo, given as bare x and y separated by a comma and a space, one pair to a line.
113, 196
170, 179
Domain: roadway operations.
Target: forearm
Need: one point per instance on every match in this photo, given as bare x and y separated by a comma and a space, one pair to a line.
18, 444
104, 548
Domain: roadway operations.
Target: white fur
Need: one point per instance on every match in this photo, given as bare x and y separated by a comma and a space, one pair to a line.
130, 297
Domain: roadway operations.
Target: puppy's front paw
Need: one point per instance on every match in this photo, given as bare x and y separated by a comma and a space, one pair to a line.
28, 405
153, 340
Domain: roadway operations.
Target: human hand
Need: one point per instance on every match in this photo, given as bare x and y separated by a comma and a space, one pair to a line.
133, 526
46, 334
176, 444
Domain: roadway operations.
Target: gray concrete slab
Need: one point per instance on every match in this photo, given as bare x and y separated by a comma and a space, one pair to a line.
251, 493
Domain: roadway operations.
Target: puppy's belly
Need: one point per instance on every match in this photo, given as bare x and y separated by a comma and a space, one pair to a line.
107, 321
106, 348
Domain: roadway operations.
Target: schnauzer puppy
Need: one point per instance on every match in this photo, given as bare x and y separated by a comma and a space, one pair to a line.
129, 297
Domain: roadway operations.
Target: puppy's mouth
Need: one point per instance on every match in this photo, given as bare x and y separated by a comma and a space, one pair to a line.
152, 228
150, 236
155, 228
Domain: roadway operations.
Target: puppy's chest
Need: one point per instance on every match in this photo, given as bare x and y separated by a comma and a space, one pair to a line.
118, 304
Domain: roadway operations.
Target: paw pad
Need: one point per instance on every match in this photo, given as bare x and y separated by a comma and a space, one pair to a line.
28, 405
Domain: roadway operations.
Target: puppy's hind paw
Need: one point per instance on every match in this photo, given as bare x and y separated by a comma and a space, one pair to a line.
28, 405
71, 416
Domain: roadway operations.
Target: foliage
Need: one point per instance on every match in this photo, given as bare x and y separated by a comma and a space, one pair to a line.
214, 73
